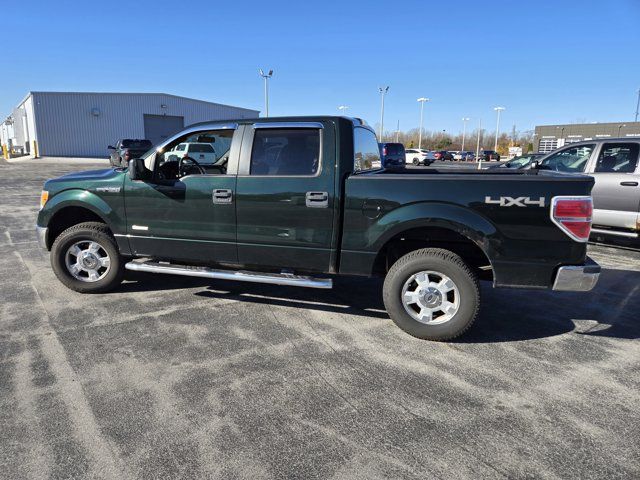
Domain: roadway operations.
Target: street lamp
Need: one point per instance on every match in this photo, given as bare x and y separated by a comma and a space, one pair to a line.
343, 109
638, 105
421, 100
383, 92
498, 110
620, 127
266, 77
464, 132
478, 157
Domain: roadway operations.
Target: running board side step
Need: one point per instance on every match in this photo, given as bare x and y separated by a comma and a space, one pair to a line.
616, 233
242, 276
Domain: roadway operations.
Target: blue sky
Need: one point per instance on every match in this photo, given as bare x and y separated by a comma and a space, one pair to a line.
545, 61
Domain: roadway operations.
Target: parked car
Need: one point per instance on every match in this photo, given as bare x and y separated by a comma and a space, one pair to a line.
392, 155
443, 155
465, 156
126, 149
489, 155
521, 161
300, 196
419, 156
613, 163
204, 153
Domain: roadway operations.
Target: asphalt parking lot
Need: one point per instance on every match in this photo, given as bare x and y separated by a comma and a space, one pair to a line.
171, 377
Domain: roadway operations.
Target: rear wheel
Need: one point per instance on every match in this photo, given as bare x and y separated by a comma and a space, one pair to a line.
432, 294
85, 258
416, 161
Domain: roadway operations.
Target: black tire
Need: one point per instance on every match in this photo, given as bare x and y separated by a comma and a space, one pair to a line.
416, 162
435, 260
90, 232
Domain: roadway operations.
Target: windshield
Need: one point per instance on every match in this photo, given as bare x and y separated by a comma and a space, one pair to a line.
572, 159
394, 149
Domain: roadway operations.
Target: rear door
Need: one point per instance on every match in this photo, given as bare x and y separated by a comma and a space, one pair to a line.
285, 195
616, 194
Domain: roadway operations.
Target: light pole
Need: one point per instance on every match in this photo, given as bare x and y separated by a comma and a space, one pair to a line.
620, 127
464, 131
478, 159
266, 77
638, 105
421, 100
383, 92
498, 110
398, 132
343, 109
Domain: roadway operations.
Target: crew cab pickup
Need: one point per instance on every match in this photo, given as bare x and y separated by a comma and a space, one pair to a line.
297, 201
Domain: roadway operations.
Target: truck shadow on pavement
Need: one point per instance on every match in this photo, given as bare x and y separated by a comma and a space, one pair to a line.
507, 315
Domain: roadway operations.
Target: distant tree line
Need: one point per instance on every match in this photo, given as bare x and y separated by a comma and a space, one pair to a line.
441, 140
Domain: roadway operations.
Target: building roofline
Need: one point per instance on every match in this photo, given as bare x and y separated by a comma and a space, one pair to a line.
628, 124
45, 92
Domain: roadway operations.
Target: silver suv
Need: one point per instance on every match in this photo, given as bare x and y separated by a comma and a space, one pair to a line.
613, 162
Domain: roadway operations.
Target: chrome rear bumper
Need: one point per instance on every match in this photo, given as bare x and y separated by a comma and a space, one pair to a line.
41, 235
577, 278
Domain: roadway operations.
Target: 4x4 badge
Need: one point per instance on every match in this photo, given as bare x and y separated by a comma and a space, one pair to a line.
515, 201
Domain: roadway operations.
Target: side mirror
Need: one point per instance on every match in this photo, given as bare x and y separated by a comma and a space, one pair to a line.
110, 147
534, 165
137, 170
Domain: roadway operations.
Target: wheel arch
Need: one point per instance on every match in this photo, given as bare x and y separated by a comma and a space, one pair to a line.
447, 226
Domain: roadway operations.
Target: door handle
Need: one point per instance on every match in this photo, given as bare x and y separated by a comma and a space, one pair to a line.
629, 184
222, 195
317, 199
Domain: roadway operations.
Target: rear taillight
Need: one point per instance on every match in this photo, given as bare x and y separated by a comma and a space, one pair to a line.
384, 151
126, 155
573, 216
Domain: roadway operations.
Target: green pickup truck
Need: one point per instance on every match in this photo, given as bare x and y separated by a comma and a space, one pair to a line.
295, 201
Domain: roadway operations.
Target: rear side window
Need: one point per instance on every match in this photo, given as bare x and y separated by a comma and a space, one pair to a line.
618, 158
366, 150
285, 152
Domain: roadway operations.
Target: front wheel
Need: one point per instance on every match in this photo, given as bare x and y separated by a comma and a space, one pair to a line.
416, 162
85, 258
432, 294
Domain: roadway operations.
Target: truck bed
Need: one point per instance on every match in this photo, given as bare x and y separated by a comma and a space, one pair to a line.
474, 203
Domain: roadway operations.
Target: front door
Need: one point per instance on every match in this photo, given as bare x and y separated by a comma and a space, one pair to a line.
616, 193
285, 196
186, 210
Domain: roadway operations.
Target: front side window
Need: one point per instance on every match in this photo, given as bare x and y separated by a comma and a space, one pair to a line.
572, 159
618, 158
366, 150
200, 153
285, 152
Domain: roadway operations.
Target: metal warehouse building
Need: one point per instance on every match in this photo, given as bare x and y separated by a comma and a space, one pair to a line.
550, 137
78, 124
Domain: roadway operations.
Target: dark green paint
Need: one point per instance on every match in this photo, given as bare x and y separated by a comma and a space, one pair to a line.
268, 225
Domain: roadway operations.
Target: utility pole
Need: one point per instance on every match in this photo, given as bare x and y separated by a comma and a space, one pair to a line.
464, 132
383, 92
266, 77
398, 131
478, 159
498, 110
421, 100
638, 105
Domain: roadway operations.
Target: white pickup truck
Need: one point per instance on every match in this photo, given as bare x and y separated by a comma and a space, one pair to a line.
203, 153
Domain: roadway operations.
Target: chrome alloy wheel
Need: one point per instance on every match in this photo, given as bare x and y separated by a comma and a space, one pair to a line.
430, 297
87, 261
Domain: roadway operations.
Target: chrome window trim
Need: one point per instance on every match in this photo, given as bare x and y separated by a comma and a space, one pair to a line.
288, 125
